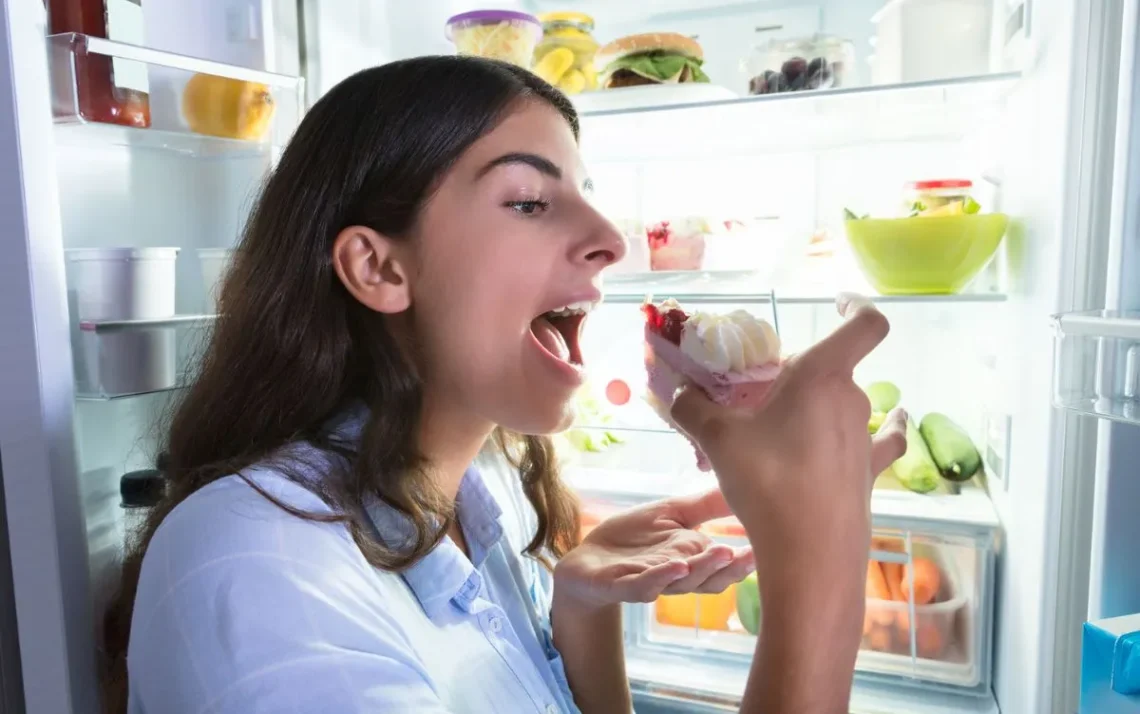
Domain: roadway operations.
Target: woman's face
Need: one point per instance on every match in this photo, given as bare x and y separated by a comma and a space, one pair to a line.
509, 237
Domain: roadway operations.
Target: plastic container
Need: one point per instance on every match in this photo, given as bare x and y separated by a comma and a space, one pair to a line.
114, 284
800, 64
565, 56
215, 262
123, 283
678, 244
887, 623
935, 194
924, 40
496, 34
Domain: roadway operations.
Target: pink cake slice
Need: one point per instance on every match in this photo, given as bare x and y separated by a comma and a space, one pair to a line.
669, 368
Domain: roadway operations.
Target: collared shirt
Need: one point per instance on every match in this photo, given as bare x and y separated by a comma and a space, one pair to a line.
243, 608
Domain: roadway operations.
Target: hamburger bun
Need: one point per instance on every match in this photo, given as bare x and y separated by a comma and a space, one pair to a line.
670, 42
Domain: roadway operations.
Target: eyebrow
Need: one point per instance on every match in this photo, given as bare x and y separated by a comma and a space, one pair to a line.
535, 161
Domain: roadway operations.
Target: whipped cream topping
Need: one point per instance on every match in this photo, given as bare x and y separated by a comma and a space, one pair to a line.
730, 343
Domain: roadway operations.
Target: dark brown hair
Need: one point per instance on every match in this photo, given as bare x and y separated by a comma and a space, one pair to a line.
292, 348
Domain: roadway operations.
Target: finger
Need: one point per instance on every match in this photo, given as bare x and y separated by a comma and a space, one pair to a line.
702, 566
740, 567
889, 443
647, 585
695, 414
693, 510
862, 331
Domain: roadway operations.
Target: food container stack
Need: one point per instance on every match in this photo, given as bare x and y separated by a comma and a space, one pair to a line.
112, 284
496, 34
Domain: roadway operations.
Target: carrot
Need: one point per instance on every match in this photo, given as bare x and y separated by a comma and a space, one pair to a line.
876, 584
893, 574
927, 581
929, 641
877, 590
880, 639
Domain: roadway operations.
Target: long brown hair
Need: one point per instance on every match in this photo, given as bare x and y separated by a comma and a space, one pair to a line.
292, 348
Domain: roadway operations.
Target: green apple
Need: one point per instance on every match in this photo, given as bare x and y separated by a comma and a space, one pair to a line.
748, 603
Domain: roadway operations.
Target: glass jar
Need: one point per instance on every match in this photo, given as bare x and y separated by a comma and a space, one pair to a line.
936, 197
565, 56
800, 64
109, 90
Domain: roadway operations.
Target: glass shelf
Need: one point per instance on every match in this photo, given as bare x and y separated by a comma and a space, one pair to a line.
1096, 368
116, 359
919, 111
148, 108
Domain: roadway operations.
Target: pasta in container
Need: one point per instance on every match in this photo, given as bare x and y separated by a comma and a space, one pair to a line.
496, 34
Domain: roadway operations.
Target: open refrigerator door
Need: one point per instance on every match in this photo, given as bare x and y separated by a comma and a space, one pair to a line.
952, 158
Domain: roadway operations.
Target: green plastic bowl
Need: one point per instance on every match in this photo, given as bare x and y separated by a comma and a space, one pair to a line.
938, 255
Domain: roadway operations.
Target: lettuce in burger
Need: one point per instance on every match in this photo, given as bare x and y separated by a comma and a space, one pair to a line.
655, 58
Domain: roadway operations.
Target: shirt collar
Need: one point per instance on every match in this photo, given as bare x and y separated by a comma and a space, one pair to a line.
444, 575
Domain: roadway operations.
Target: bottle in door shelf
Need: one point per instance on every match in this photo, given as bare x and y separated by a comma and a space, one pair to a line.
108, 90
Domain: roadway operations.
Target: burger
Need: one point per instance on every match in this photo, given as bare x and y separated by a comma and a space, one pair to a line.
655, 58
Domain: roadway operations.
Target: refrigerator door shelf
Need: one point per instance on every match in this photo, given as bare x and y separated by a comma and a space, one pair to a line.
115, 359
119, 94
1097, 364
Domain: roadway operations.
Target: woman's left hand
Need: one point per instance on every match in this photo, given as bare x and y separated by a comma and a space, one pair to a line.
652, 550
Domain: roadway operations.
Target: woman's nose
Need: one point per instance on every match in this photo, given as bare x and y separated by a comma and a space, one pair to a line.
605, 246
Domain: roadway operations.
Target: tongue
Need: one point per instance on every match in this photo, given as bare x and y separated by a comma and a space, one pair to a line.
550, 338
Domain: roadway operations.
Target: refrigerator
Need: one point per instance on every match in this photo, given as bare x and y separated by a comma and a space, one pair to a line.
1038, 358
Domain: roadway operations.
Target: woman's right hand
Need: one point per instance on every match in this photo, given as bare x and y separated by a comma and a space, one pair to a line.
798, 473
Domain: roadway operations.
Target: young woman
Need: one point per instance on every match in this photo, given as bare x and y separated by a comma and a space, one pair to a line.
364, 514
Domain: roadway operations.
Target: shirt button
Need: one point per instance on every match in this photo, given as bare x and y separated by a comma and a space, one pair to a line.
553, 709
496, 624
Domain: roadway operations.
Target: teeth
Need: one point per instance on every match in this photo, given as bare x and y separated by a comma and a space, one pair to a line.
575, 308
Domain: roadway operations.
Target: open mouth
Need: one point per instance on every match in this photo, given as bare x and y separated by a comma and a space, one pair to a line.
559, 331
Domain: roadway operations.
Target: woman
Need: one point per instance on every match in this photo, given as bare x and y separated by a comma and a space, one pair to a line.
363, 513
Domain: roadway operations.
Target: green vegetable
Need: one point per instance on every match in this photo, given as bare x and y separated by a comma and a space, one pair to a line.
748, 603
916, 469
951, 448
884, 396
876, 422
971, 206
850, 215
660, 66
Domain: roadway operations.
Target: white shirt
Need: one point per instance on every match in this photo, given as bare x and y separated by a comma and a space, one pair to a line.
243, 608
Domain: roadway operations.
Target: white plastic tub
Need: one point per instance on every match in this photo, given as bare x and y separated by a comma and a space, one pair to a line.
924, 40
123, 284
215, 262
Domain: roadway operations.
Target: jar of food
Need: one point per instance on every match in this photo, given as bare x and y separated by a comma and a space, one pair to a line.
140, 491
108, 89
939, 197
799, 64
496, 34
565, 56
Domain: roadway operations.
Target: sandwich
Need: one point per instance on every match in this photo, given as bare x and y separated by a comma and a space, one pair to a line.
655, 58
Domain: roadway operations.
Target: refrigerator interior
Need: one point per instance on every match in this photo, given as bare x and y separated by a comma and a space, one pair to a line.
786, 167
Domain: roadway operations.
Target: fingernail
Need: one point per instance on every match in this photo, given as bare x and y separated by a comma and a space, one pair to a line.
847, 302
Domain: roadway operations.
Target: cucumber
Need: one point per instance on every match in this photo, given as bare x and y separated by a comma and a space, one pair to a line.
884, 396
916, 469
950, 446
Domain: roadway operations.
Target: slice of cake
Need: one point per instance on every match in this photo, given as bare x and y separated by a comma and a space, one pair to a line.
734, 357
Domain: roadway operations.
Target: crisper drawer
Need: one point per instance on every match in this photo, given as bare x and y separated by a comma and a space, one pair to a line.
929, 590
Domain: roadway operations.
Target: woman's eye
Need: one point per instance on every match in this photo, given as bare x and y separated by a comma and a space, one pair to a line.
528, 208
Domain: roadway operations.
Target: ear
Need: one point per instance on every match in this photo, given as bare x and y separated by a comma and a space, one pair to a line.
373, 269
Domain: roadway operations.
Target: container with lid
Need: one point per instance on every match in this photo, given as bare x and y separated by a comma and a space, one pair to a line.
565, 56
799, 64
936, 197
496, 34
